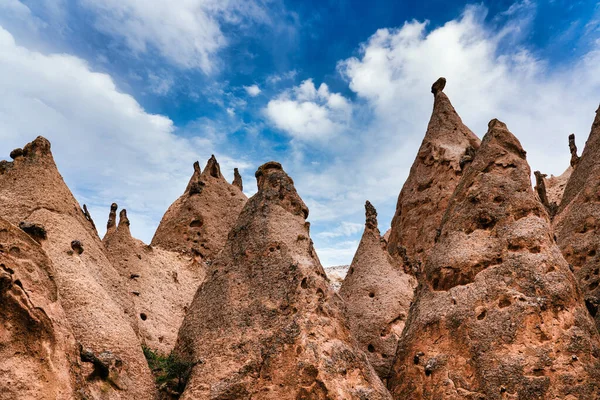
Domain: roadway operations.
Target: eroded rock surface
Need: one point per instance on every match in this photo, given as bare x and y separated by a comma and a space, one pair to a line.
38, 356
198, 222
92, 293
499, 314
378, 294
161, 283
447, 148
265, 323
577, 226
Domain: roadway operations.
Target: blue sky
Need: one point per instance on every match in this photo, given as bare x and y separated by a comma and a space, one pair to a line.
132, 92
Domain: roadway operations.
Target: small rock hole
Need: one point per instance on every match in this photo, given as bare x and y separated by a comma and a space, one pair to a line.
371, 348
481, 315
304, 283
143, 316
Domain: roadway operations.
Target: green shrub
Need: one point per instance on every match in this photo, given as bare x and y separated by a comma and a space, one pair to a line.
169, 370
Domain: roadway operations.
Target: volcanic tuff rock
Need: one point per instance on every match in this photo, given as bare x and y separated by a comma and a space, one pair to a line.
499, 314
265, 323
198, 222
577, 225
447, 148
378, 295
37, 348
161, 283
91, 290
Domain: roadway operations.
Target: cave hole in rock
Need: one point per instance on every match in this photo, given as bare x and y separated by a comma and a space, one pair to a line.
304, 283
143, 316
371, 348
371, 294
481, 315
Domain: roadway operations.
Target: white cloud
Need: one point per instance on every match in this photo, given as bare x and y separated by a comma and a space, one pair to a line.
252, 90
344, 229
187, 33
106, 146
308, 113
339, 254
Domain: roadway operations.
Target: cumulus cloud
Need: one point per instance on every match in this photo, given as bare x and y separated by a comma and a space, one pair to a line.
343, 229
392, 76
187, 33
308, 113
252, 90
107, 147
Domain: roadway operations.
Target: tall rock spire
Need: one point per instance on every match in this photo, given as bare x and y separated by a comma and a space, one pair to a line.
266, 323
197, 223
577, 226
160, 282
447, 148
237, 179
92, 293
378, 295
499, 314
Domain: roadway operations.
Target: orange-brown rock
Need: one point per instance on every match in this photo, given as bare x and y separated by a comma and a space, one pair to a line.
237, 179
266, 324
38, 353
198, 222
92, 293
378, 294
577, 226
161, 283
499, 314
447, 148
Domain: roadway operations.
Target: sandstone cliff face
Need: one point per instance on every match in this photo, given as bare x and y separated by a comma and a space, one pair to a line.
265, 323
378, 295
447, 148
499, 314
92, 294
38, 353
198, 222
578, 221
161, 283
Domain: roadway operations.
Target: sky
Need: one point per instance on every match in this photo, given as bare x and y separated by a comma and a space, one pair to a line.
131, 92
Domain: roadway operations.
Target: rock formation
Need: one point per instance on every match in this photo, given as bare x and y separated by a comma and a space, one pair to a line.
100, 312
198, 222
265, 323
498, 313
161, 283
447, 148
38, 353
237, 179
378, 294
578, 222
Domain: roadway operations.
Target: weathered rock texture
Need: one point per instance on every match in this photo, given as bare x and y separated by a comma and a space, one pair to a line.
37, 349
577, 226
161, 283
447, 148
499, 314
198, 222
266, 324
378, 294
91, 291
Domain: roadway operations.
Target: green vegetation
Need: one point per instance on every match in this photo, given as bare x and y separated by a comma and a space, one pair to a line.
170, 372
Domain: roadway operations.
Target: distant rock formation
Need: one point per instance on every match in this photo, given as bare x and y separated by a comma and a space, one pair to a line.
447, 148
237, 179
198, 222
577, 225
499, 314
378, 295
92, 293
38, 353
161, 283
265, 323
336, 275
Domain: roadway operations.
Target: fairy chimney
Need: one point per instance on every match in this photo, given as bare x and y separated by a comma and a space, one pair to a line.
447, 148
265, 323
378, 294
577, 226
198, 222
498, 313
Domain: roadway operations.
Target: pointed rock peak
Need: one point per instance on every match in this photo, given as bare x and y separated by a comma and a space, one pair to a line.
438, 86
573, 150
371, 216
123, 220
112, 217
274, 185
237, 179
195, 185
40, 146
499, 133
212, 168
197, 169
